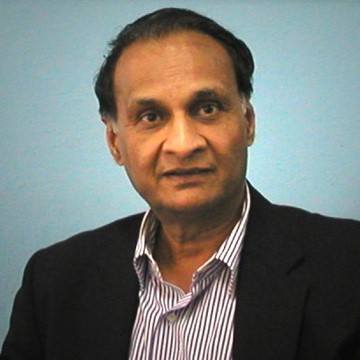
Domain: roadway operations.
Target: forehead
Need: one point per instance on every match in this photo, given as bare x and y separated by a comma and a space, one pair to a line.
175, 60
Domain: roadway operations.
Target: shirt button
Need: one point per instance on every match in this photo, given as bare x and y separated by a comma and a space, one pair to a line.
171, 317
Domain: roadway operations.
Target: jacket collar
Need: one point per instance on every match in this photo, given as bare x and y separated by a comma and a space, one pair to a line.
270, 299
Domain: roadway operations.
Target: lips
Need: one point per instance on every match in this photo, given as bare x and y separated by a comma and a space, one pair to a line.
184, 172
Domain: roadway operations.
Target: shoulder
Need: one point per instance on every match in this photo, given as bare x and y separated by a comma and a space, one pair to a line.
122, 230
313, 233
314, 224
118, 237
327, 242
288, 217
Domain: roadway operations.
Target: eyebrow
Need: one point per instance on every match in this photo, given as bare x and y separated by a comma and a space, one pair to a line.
202, 94
146, 102
208, 93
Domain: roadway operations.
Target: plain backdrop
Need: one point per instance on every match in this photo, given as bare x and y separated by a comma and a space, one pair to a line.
56, 175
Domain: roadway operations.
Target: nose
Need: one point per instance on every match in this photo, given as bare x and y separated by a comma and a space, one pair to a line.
183, 137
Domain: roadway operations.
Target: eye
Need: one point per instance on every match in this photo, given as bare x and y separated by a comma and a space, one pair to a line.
150, 117
209, 109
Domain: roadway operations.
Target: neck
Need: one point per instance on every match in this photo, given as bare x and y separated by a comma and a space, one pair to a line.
176, 243
184, 243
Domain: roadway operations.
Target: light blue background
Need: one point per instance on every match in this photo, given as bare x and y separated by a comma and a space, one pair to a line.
57, 177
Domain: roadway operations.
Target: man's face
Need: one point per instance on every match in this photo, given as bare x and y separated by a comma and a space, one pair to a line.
182, 129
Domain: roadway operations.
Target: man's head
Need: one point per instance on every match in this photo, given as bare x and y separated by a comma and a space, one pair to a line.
181, 126
161, 23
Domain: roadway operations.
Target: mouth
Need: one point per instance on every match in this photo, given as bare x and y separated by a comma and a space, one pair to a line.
187, 172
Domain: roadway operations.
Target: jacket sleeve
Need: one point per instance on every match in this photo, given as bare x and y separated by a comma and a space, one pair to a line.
23, 341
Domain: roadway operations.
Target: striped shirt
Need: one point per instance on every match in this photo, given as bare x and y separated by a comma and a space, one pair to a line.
197, 325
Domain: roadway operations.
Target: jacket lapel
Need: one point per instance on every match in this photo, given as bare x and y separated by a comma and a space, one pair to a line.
270, 294
118, 290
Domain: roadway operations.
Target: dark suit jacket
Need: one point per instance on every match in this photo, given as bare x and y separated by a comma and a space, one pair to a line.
298, 291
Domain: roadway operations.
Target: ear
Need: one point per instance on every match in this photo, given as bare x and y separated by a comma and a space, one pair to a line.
113, 141
250, 117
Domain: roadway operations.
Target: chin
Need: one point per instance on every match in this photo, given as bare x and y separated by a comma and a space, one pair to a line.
193, 206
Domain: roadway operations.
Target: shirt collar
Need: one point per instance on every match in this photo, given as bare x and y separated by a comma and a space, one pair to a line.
230, 250
231, 247
144, 246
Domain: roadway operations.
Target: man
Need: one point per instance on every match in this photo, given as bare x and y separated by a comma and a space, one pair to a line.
213, 270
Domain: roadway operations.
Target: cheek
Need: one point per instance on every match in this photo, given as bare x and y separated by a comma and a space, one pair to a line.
138, 155
233, 142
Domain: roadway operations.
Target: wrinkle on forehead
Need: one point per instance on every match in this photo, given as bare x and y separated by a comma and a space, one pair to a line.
174, 63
